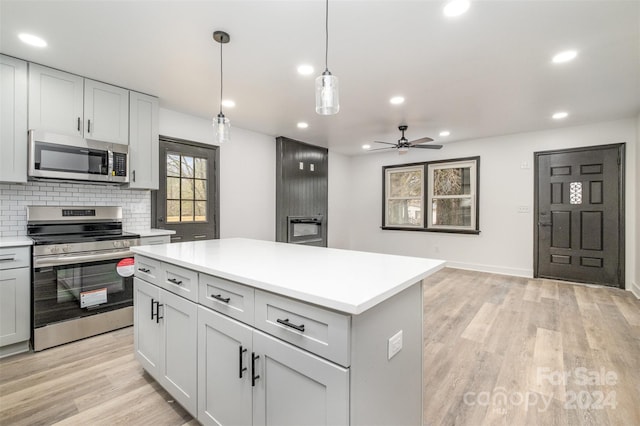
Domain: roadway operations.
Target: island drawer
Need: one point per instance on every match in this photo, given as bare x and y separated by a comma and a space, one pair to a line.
15, 257
320, 331
148, 269
181, 281
227, 297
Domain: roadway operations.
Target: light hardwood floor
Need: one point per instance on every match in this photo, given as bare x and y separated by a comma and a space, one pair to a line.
498, 350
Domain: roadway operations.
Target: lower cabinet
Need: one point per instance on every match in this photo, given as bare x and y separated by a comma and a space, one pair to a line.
15, 300
248, 377
166, 340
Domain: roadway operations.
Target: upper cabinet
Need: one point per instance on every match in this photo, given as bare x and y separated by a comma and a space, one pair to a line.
13, 119
143, 141
65, 103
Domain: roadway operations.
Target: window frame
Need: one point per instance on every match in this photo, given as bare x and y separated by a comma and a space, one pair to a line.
427, 198
386, 171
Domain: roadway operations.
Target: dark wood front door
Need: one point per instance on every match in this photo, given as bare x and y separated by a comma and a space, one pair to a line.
580, 215
188, 197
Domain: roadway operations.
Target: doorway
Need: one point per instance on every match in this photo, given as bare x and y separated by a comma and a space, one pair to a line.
188, 198
579, 211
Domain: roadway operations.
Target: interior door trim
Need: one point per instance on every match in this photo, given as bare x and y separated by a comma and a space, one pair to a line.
621, 204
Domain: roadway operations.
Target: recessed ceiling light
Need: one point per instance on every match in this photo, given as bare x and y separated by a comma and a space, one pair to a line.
366, 146
445, 133
305, 69
560, 115
565, 56
32, 40
397, 100
456, 8
228, 103
302, 125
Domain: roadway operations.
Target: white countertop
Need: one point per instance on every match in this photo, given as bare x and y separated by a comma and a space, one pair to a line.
154, 232
343, 280
18, 241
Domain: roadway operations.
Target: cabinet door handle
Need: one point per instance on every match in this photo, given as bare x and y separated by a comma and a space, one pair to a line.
286, 322
220, 298
241, 368
89, 126
134, 175
158, 317
254, 357
145, 270
152, 303
78, 123
174, 281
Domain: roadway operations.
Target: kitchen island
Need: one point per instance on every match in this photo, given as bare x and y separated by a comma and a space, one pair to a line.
244, 331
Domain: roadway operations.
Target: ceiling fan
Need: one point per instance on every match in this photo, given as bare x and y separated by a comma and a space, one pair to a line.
403, 144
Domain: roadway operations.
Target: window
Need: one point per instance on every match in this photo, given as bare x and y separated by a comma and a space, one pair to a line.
432, 196
452, 195
186, 188
404, 196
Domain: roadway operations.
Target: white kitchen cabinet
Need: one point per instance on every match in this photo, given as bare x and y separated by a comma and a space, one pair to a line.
13, 119
166, 340
60, 102
106, 112
143, 141
248, 377
15, 300
56, 101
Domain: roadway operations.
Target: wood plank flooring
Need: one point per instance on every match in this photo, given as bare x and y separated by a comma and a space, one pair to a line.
499, 350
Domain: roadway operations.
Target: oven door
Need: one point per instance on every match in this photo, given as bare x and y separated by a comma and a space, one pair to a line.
75, 286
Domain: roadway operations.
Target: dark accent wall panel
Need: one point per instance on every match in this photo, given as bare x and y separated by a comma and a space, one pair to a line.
301, 183
561, 229
591, 230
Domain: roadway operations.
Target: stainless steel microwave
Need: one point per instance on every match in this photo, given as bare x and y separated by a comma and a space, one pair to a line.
62, 157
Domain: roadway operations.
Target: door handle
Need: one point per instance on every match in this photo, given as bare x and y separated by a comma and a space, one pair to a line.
89, 126
241, 350
158, 317
152, 303
545, 224
254, 357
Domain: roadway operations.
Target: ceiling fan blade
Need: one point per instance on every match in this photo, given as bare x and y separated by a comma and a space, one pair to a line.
427, 146
421, 140
385, 143
378, 149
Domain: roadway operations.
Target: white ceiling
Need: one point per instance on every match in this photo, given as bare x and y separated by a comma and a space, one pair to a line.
488, 72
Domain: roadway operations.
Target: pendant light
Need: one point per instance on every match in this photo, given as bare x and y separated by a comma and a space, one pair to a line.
327, 100
221, 124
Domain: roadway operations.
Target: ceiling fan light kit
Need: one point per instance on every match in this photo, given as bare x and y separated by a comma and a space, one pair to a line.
327, 98
221, 124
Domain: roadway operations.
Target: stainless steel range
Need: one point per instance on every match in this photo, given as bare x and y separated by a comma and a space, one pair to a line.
82, 273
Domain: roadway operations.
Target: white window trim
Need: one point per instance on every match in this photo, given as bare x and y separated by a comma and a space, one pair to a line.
387, 185
473, 165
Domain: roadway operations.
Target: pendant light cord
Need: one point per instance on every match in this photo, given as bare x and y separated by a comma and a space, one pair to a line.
221, 77
326, 38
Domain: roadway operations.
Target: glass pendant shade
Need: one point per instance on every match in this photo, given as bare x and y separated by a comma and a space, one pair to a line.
327, 100
222, 129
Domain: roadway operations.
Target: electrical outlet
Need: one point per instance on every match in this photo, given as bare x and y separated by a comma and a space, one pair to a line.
523, 209
525, 165
395, 344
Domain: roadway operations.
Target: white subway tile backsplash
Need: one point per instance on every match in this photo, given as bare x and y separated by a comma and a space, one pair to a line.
136, 205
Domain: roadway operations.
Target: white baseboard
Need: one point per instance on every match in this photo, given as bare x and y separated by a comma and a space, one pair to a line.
635, 289
527, 273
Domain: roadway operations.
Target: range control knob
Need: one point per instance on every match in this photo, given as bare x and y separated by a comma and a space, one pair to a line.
126, 243
117, 244
54, 249
65, 249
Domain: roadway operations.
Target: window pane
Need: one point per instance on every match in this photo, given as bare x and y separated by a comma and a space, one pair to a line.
187, 189
173, 211
173, 188
201, 168
451, 212
173, 165
405, 183
201, 189
456, 181
187, 167
201, 211
404, 212
187, 211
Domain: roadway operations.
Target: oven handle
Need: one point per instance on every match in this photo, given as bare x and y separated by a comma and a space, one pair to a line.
66, 260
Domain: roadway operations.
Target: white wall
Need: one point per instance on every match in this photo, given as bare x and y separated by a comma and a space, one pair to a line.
339, 206
247, 175
636, 185
505, 244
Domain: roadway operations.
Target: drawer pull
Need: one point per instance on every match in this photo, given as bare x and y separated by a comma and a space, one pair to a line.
8, 258
241, 368
174, 281
145, 270
254, 357
220, 298
286, 322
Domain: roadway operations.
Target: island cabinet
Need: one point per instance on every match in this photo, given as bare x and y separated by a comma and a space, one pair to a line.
274, 346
